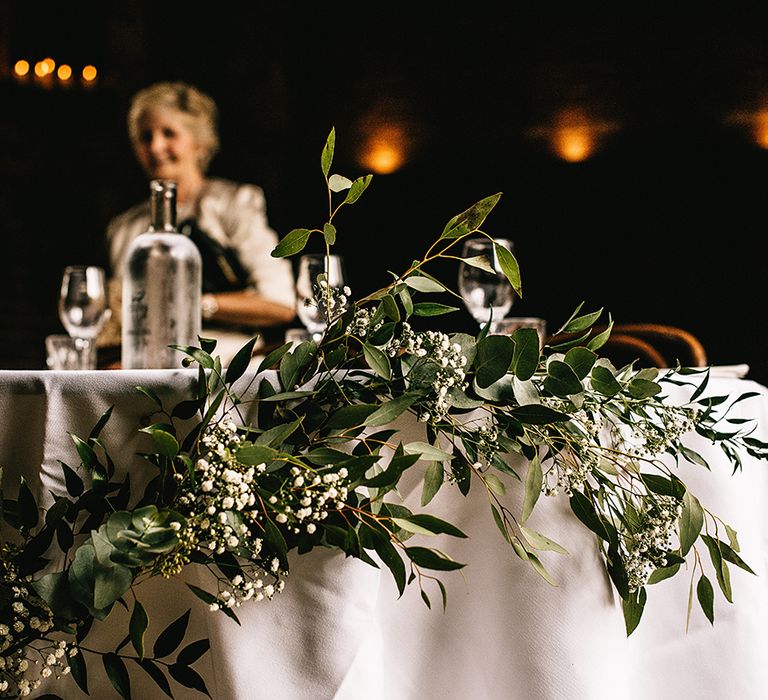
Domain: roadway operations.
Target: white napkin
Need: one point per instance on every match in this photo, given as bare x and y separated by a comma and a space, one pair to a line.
737, 371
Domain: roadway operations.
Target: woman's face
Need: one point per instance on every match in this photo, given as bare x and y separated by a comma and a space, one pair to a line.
167, 148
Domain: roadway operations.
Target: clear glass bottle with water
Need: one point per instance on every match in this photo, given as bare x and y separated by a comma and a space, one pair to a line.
161, 288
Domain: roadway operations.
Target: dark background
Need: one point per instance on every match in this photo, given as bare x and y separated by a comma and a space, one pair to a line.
661, 224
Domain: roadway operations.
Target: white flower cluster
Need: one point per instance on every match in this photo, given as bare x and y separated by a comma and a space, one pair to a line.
361, 323
307, 498
23, 627
569, 472
647, 547
436, 348
252, 586
652, 436
487, 438
220, 509
332, 301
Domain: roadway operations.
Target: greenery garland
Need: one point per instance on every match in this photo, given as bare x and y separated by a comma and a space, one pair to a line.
311, 471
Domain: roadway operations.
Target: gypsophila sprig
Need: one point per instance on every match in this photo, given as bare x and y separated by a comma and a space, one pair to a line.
309, 453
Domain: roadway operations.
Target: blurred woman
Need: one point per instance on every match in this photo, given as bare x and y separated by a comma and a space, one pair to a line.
172, 127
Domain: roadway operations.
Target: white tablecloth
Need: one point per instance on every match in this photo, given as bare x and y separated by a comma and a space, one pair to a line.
338, 630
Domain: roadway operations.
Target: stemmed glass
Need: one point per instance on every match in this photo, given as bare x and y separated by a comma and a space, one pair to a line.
322, 294
83, 308
486, 295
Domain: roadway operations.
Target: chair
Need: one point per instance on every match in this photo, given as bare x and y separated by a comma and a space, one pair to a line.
650, 344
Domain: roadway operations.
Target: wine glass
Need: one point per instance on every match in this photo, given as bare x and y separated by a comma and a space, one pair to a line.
322, 294
486, 295
83, 307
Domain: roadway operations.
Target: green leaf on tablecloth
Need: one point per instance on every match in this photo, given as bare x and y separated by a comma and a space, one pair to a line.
433, 480
390, 557
728, 554
432, 559
137, 627
154, 672
210, 599
192, 652
633, 609
533, 483
690, 522
79, 670
706, 595
28, 513
170, 638
722, 573
432, 525
96, 431
188, 677
732, 538
117, 674
658, 575
427, 452
542, 542
585, 511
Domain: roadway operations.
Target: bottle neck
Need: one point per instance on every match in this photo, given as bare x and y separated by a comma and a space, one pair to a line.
162, 206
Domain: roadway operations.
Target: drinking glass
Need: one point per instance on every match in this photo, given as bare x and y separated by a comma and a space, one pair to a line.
83, 307
485, 294
322, 294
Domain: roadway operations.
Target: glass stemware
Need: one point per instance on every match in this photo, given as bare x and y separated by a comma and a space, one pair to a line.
83, 307
486, 295
322, 294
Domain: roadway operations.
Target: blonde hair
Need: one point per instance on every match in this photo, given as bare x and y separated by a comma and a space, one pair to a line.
185, 99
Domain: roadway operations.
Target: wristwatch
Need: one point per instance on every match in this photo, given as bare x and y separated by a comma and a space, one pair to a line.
208, 306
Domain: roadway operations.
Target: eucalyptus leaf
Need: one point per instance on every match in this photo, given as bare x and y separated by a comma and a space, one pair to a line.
338, 183
433, 480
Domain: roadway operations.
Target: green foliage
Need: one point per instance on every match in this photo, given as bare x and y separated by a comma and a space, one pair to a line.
322, 460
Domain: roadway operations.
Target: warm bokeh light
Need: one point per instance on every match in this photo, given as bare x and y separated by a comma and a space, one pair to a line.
40, 70
64, 72
760, 128
89, 73
573, 143
49, 65
575, 133
21, 68
385, 149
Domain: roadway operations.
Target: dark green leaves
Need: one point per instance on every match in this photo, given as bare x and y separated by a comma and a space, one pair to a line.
358, 187
706, 595
633, 609
561, 380
171, 637
494, 356
471, 219
326, 157
603, 381
525, 359
509, 267
293, 242
117, 674
137, 627
691, 521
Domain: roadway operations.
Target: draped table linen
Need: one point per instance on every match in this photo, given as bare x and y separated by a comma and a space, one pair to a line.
339, 630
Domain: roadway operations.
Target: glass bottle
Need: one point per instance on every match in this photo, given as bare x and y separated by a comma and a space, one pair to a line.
161, 288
